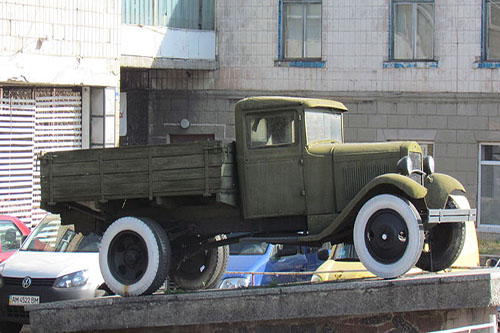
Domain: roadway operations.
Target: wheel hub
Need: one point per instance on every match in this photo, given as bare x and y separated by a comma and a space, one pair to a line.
128, 257
386, 236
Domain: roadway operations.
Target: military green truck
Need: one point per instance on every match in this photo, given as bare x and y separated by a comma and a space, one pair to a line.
170, 211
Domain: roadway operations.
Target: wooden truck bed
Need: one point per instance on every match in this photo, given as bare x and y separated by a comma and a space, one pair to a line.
131, 172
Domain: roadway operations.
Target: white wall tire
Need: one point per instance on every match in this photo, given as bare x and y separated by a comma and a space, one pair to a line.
388, 235
134, 256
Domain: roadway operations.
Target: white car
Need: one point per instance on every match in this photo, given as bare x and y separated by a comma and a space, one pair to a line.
54, 263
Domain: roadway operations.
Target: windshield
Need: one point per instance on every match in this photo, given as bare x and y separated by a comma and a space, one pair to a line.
323, 125
248, 248
345, 252
50, 236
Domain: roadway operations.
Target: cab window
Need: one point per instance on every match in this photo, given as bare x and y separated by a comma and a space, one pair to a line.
271, 130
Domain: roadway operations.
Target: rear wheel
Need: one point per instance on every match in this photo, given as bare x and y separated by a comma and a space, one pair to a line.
388, 235
134, 256
204, 269
444, 242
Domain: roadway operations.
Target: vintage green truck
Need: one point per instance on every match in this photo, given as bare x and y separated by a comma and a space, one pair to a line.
171, 210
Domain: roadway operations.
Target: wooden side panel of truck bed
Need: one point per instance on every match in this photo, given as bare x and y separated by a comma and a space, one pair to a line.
131, 172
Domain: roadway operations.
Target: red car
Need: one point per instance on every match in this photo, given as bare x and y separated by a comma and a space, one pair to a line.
12, 234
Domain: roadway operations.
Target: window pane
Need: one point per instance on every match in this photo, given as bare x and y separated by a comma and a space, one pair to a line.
493, 51
425, 31
294, 30
490, 153
272, 130
313, 31
403, 31
490, 194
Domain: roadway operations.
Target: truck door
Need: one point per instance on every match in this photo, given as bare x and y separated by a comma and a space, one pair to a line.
273, 175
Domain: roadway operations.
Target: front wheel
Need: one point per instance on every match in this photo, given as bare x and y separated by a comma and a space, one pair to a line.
204, 269
134, 256
388, 235
445, 241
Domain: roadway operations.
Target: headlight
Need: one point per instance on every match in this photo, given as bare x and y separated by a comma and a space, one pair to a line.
405, 166
429, 165
316, 278
232, 283
76, 279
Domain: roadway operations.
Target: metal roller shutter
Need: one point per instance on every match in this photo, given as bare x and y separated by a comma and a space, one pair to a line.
51, 120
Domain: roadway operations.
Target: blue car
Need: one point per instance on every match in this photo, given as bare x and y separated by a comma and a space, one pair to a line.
248, 258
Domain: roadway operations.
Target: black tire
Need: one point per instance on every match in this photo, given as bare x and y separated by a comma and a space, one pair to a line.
204, 270
10, 327
134, 256
444, 242
388, 235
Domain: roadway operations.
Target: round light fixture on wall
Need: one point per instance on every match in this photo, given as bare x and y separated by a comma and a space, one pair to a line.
184, 123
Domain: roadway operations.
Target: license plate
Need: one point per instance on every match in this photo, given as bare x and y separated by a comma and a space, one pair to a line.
20, 300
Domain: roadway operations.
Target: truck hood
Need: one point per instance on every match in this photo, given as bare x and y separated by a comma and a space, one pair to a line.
48, 264
352, 149
356, 164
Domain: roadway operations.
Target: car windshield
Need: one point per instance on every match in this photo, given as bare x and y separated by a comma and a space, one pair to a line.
248, 248
345, 252
323, 125
50, 236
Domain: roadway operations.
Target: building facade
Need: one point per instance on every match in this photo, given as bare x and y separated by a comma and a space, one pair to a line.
59, 82
424, 70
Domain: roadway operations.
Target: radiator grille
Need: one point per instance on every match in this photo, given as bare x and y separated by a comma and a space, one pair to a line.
34, 282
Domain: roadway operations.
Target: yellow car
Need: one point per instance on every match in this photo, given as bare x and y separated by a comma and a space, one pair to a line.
344, 264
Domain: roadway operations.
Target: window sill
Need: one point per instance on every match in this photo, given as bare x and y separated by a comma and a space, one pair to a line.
487, 64
300, 63
411, 64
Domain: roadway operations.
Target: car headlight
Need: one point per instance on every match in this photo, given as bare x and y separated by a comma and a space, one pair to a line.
232, 283
76, 279
429, 165
405, 166
316, 278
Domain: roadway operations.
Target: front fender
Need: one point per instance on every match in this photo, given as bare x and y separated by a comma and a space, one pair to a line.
407, 185
439, 186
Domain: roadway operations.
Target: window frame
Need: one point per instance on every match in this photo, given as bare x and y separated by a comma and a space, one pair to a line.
392, 19
283, 26
480, 226
485, 32
286, 112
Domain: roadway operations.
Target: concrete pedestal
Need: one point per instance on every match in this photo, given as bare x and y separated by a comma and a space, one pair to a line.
421, 303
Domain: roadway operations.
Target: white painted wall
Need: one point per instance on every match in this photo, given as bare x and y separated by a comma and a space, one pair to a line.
60, 42
163, 42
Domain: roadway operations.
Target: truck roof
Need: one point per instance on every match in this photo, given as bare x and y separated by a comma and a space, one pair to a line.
267, 102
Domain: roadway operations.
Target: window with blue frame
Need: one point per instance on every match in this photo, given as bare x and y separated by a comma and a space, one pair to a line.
300, 37
184, 14
412, 30
491, 30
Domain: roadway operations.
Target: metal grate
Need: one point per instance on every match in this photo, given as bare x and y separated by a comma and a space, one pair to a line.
17, 312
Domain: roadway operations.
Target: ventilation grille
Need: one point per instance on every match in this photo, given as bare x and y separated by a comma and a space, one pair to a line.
356, 177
